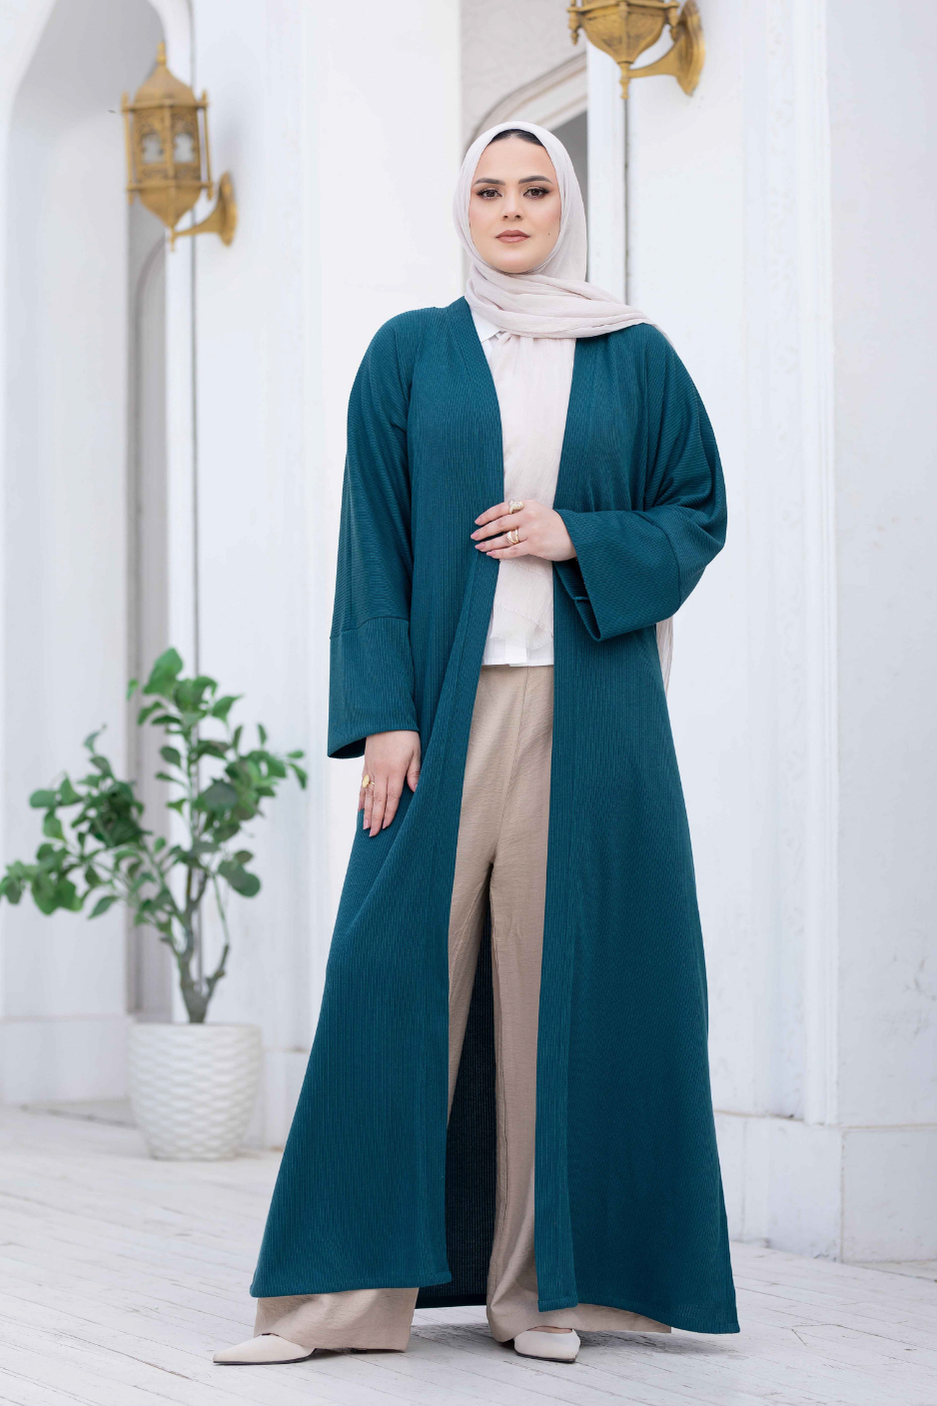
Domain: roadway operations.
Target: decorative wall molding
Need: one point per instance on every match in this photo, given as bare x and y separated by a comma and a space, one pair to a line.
793, 589
556, 97
821, 860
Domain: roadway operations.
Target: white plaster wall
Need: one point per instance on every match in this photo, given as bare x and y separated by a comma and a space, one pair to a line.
251, 605
64, 623
687, 260
780, 225
884, 203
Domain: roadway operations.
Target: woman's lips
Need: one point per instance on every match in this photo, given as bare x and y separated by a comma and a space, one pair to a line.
513, 236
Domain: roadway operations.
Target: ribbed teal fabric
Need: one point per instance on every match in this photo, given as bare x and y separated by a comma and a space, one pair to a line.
629, 1204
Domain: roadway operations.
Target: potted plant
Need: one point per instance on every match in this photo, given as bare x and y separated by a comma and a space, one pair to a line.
192, 1086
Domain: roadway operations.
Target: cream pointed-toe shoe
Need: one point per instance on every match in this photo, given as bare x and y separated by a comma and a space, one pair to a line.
556, 1347
268, 1349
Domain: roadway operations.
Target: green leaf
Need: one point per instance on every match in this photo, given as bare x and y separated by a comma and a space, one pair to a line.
91, 739
148, 712
189, 694
210, 748
132, 687
103, 765
44, 894
218, 796
301, 776
50, 893
243, 856
42, 800
158, 844
171, 755
164, 776
299, 753
68, 796
11, 889
262, 733
103, 904
52, 827
247, 885
178, 805
68, 895
164, 673
222, 708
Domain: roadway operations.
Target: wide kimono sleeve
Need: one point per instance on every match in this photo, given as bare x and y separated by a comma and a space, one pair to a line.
371, 664
635, 567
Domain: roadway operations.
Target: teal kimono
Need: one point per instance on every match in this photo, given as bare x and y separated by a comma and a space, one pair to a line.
374, 1189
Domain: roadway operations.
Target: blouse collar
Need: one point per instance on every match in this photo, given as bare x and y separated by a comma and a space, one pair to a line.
483, 327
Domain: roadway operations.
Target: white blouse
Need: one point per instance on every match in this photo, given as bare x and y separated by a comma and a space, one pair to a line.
532, 376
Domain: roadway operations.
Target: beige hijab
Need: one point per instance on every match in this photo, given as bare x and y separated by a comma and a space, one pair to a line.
553, 300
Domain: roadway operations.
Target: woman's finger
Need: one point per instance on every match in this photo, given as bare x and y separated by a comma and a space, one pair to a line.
394, 792
498, 510
502, 524
520, 549
377, 803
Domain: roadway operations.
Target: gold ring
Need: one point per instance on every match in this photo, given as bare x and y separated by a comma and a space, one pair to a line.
515, 505
514, 536
366, 781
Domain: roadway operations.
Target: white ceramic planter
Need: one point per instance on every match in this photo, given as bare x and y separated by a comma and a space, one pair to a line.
192, 1087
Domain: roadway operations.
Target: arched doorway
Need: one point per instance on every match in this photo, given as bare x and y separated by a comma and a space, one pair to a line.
84, 539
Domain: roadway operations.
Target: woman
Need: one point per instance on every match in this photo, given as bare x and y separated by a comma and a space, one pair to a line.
507, 1100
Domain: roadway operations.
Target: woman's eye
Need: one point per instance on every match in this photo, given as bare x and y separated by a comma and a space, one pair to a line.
538, 192
485, 193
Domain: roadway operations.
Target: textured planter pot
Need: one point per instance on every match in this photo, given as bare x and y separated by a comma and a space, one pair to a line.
192, 1088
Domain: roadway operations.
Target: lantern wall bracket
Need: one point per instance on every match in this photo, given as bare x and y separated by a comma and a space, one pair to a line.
168, 155
222, 220
626, 28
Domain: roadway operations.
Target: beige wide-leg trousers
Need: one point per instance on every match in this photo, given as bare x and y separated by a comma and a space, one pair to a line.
501, 856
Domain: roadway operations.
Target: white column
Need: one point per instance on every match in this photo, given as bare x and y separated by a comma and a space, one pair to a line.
607, 173
802, 696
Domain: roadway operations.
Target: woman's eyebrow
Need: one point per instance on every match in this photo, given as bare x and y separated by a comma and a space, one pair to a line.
524, 180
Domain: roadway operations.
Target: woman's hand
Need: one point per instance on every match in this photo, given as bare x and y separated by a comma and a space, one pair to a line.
390, 758
542, 532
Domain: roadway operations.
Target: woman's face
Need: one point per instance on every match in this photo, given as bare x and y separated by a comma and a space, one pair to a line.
514, 208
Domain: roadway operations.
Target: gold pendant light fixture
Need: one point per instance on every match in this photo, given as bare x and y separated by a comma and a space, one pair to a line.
625, 28
166, 127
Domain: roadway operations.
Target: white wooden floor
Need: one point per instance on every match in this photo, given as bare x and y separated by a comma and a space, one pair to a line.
121, 1275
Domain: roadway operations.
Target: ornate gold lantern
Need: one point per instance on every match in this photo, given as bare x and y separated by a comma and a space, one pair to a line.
625, 28
166, 127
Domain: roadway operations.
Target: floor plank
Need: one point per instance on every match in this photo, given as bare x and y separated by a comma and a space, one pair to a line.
119, 1276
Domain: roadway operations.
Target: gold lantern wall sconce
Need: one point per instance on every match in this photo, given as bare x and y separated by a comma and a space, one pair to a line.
166, 127
626, 28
